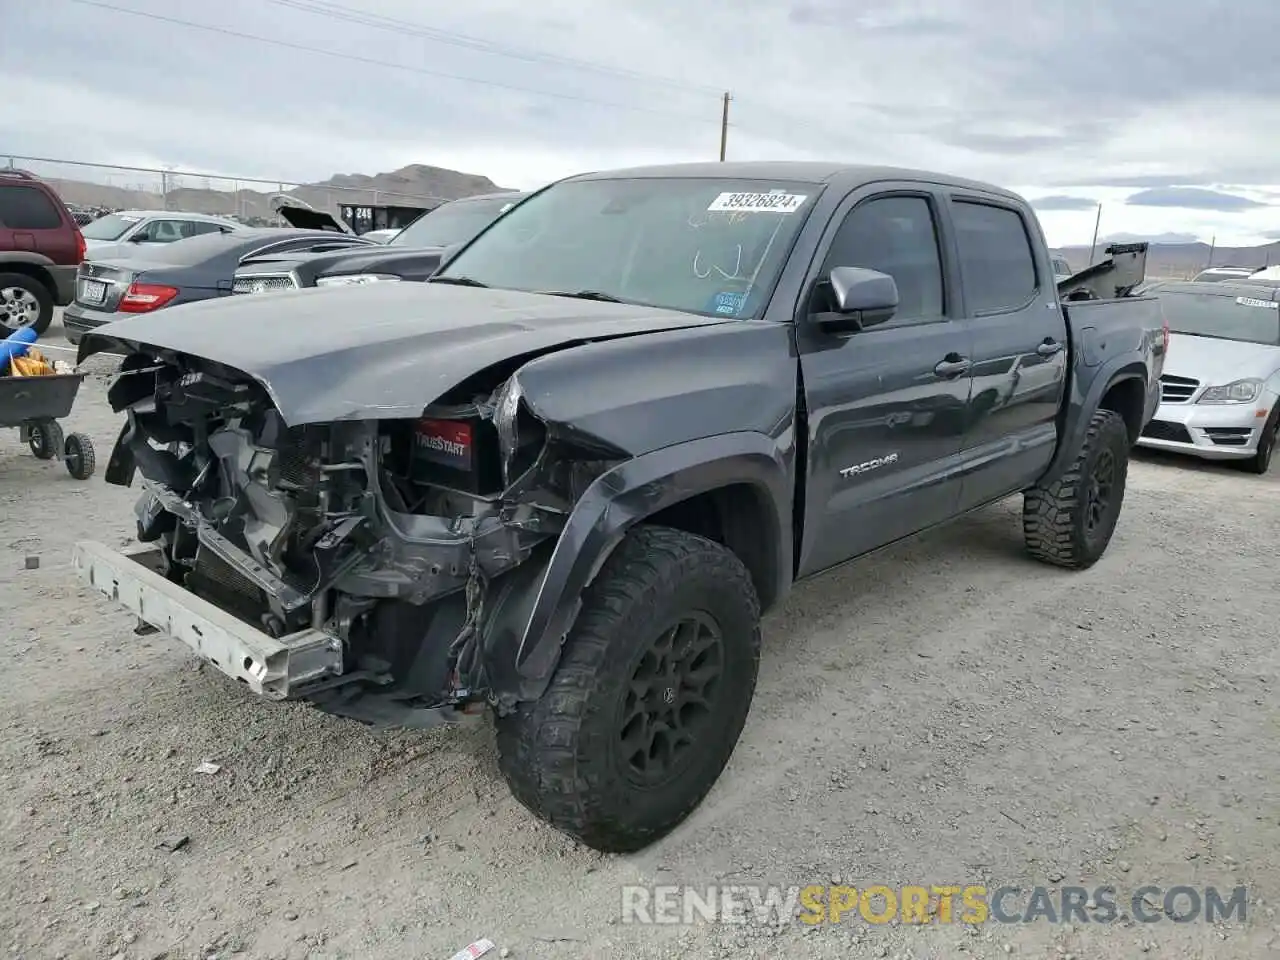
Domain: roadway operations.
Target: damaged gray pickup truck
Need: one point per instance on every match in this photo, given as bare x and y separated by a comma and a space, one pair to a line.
563, 478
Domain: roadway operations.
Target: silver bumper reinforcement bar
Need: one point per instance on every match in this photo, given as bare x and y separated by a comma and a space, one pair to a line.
271, 666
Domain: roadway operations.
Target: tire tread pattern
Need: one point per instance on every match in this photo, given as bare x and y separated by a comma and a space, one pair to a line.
552, 753
1052, 524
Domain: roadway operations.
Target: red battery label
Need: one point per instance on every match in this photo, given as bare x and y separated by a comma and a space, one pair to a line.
446, 442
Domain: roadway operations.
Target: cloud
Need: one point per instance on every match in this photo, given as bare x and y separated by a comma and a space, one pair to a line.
1272, 234
1192, 198
525, 93
1060, 202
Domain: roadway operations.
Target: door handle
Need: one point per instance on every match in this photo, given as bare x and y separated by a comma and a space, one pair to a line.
1048, 348
952, 366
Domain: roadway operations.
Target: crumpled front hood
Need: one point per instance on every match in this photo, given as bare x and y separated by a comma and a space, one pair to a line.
380, 351
1216, 362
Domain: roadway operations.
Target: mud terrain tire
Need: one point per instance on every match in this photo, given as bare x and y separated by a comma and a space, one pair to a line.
1069, 522
668, 611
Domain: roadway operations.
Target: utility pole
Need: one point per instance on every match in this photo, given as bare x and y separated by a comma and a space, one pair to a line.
1094, 246
1212, 246
724, 124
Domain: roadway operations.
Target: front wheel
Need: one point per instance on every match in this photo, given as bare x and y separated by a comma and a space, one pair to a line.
1260, 462
1069, 522
649, 698
79, 455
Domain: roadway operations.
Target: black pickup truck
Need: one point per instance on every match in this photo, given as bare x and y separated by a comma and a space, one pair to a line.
412, 254
565, 477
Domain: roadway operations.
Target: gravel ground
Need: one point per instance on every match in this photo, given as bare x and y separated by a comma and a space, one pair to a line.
946, 712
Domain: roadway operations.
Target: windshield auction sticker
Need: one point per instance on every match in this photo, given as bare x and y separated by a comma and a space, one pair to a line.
1265, 304
757, 203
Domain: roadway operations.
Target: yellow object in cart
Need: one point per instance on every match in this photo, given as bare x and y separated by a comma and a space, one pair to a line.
33, 364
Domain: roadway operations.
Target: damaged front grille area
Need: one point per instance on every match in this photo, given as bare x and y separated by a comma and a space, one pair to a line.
336, 528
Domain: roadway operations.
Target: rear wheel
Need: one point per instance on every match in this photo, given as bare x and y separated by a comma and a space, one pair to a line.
24, 302
649, 698
45, 439
1069, 522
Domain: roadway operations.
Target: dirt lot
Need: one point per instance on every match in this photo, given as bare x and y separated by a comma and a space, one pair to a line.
948, 712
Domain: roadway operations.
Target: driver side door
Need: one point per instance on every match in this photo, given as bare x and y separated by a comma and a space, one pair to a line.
886, 404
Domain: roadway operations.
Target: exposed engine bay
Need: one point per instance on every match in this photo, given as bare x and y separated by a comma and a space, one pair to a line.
395, 539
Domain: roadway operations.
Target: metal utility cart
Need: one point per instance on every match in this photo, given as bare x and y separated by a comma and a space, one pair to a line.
35, 405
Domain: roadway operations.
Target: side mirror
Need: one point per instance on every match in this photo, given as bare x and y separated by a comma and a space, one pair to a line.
138, 238
862, 298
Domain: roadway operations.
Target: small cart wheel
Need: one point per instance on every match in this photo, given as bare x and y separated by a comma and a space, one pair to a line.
45, 439
79, 454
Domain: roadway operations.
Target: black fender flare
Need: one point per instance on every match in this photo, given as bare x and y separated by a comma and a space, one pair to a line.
615, 502
1079, 409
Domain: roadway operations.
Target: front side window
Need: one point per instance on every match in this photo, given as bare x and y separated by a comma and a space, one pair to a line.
997, 263
897, 236
700, 245
160, 231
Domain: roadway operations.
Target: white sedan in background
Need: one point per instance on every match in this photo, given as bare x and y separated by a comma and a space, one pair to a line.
1221, 385
152, 226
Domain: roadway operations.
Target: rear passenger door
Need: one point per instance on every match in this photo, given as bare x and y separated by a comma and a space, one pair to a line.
1019, 343
886, 404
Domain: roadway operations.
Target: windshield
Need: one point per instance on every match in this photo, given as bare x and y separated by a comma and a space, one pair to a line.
702, 245
110, 227
1247, 319
450, 223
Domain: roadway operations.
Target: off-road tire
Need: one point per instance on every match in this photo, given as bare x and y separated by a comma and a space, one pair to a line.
45, 439
561, 755
43, 296
1260, 462
1054, 517
79, 456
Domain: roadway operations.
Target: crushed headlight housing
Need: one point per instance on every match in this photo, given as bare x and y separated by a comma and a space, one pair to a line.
1239, 391
356, 279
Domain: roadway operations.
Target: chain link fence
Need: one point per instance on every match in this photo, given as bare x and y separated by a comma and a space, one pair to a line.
101, 188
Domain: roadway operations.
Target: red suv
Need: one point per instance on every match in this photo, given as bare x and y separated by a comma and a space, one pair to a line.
40, 250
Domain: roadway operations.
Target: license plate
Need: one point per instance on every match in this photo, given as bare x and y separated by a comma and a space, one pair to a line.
92, 291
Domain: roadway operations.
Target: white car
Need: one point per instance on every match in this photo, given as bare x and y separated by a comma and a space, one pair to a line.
152, 226
1221, 385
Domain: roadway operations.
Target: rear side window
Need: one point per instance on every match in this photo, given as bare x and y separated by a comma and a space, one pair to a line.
24, 207
195, 228
996, 259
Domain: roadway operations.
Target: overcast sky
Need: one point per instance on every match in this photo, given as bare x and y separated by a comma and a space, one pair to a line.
1077, 103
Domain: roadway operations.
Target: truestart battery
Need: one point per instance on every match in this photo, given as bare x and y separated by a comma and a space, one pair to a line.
462, 454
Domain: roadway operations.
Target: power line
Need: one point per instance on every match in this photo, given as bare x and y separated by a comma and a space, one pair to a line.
370, 61
345, 14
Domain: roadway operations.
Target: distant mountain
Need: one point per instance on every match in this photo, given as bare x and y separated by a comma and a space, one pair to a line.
411, 186
1177, 256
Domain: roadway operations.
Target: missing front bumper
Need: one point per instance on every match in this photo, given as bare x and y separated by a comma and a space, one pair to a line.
274, 667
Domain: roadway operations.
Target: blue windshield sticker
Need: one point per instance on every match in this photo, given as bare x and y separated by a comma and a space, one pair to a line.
729, 303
